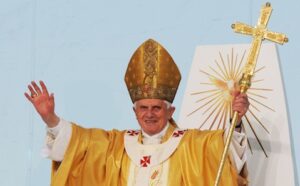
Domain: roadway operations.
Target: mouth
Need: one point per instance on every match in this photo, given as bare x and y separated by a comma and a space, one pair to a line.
150, 121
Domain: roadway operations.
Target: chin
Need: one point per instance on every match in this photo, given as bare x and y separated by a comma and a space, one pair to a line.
150, 131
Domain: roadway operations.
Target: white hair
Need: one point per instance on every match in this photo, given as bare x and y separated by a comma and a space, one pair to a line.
168, 104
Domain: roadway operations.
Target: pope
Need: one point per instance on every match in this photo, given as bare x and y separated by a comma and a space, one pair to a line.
159, 153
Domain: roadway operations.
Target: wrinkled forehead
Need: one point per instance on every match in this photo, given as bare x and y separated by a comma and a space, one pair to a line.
150, 102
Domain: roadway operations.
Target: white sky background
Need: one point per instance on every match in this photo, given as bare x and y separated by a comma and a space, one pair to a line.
81, 50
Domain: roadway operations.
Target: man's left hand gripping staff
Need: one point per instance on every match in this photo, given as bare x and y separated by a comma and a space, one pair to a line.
240, 104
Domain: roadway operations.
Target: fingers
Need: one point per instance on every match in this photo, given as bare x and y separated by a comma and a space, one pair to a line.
241, 101
235, 93
240, 97
35, 90
241, 109
44, 88
36, 87
51, 97
28, 97
32, 91
241, 104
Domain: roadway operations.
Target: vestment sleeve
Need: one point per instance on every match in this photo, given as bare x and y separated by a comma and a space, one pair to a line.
92, 157
237, 149
214, 151
57, 140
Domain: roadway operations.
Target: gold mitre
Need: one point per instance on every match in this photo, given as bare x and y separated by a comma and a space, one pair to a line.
152, 73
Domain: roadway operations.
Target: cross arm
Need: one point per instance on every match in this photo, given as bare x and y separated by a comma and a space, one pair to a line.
276, 37
242, 28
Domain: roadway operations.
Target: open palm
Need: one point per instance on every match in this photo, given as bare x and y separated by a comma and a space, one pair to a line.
42, 101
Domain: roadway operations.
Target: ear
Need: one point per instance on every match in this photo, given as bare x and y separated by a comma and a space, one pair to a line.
171, 112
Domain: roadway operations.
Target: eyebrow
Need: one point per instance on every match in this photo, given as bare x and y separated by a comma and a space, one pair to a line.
151, 106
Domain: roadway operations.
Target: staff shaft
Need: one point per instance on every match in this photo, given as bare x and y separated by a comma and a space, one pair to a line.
227, 143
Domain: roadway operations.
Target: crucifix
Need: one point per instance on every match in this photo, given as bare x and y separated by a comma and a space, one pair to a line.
259, 33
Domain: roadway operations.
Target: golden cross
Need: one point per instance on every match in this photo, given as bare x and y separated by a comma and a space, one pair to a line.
259, 33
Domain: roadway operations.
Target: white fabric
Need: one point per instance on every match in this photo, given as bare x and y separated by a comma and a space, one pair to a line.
137, 175
156, 172
237, 149
58, 138
158, 152
154, 139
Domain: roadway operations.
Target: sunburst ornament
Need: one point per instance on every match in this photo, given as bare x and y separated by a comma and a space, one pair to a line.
206, 104
215, 102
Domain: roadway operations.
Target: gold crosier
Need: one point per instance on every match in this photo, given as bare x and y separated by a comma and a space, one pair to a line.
259, 33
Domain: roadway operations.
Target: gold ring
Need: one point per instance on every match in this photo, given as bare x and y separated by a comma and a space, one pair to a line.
34, 95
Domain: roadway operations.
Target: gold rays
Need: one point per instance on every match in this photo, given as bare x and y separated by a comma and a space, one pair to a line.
215, 100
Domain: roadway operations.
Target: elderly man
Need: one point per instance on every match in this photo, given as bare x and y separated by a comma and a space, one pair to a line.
158, 154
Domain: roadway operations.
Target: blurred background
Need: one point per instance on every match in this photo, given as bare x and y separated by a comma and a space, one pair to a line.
81, 50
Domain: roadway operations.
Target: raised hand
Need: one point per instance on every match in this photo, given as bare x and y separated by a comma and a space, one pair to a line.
240, 104
43, 103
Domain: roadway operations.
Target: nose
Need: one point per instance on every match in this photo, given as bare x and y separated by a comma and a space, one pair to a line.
149, 113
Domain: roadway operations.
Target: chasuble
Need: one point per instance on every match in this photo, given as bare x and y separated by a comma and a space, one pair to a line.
98, 157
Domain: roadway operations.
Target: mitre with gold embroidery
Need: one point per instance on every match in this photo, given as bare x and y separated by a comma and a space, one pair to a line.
152, 73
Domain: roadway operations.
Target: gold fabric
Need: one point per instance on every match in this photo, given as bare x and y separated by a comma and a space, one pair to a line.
96, 157
152, 73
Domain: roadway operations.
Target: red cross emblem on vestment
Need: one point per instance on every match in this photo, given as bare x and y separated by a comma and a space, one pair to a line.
178, 133
133, 132
145, 161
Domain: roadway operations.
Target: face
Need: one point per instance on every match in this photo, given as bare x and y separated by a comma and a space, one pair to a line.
153, 115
